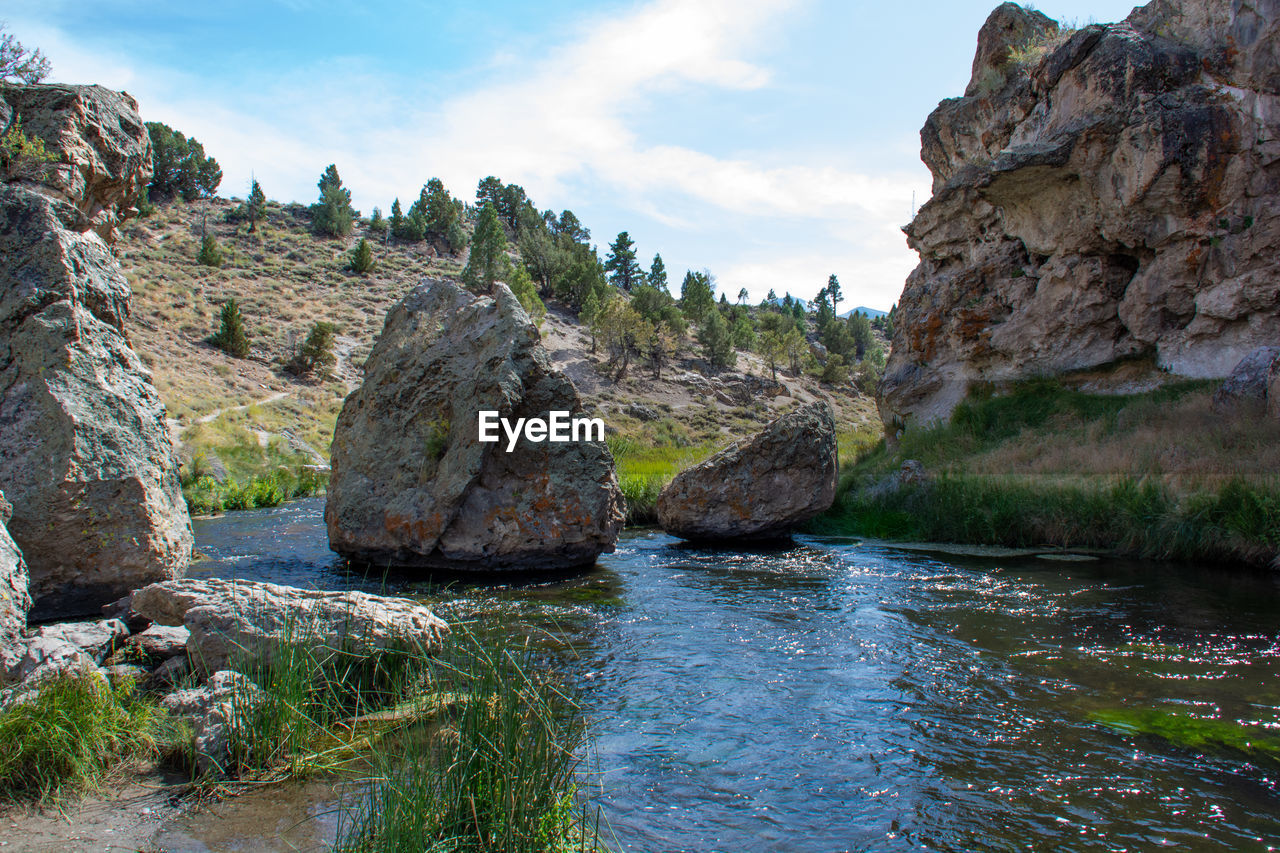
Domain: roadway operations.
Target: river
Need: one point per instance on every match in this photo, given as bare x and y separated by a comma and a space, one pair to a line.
833, 695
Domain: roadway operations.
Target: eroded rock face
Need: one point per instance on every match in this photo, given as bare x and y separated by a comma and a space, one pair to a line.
761, 488
413, 485
15, 601
84, 453
233, 622
1114, 197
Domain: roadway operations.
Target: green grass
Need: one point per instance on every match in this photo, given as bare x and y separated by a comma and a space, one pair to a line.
76, 734
205, 495
1238, 522
985, 419
644, 469
1219, 516
322, 707
501, 770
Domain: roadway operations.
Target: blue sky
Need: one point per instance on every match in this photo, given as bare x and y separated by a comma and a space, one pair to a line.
771, 141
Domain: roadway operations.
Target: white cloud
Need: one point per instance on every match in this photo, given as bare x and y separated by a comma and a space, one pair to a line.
565, 120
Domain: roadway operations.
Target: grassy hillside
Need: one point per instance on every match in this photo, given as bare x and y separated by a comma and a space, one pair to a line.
1155, 474
250, 433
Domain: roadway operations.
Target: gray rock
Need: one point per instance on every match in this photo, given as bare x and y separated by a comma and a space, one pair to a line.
122, 673
413, 485
232, 622
170, 673
1273, 390
15, 600
161, 642
46, 656
95, 639
1110, 200
1245, 391
641, 412
85, 456
910, 473
761, 488
213, 711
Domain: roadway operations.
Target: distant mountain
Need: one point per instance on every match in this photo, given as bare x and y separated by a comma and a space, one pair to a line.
870, 312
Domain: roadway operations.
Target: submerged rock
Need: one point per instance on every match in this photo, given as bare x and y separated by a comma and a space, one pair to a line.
1101, 195
233, 622
85, 455
413, 485
761, 488
14, 598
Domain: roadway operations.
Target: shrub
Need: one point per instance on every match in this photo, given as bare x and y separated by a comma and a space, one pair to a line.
315, 355
22, 156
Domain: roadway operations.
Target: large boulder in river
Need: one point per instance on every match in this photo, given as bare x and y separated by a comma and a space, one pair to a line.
1100, 196
758, 489
413, 485
85, 456
15, 601
232, 622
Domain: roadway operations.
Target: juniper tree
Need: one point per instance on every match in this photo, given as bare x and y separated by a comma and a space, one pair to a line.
361, 259
231, 337
210, 254
256, 205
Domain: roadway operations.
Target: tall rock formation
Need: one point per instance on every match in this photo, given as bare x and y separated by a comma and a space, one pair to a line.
1098, 195
413, 485
85, 457
15, 600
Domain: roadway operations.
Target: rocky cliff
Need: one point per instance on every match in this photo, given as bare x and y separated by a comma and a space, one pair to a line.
413, 485
85, 457
1101, 195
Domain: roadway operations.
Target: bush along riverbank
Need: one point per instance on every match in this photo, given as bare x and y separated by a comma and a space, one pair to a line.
1154, 475
448, 738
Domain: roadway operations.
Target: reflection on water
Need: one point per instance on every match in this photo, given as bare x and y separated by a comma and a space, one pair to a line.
830, 696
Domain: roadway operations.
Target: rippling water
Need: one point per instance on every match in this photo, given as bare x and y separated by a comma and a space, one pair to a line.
833, 696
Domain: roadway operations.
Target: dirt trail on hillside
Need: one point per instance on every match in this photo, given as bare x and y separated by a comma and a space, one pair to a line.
176, 429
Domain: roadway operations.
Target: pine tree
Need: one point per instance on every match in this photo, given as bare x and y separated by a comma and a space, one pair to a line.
621, 264
210, 254
488, 260
697, 296
396, 220
833, 292
361, 259
717, 340
332, 216
658, 274
231, 337
256, 205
